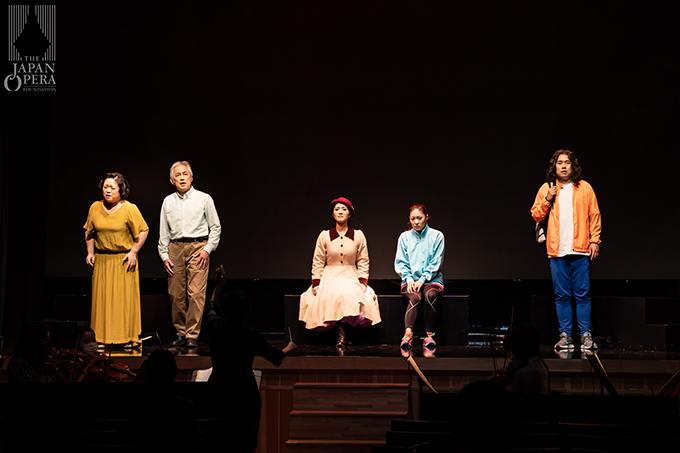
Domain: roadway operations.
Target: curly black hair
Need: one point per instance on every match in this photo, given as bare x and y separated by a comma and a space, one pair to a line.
123, 184
576, 172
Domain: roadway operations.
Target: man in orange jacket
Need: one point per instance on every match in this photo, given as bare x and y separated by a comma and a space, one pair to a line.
572, 241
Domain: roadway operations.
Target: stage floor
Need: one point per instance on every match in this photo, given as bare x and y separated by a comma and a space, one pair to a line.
483, 351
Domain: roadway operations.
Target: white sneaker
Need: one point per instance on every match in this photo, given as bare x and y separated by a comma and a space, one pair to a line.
587, 341
565, 342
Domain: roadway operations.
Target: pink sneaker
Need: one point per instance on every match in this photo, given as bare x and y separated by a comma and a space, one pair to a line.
429, 345
405, 345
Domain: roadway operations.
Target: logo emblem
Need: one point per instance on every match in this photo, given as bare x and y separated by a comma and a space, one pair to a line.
32, 48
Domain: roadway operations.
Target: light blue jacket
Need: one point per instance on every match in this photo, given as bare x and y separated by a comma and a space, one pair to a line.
420, 256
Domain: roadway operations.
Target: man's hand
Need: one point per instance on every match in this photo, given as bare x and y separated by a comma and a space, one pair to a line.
202, 259
594, 251
550, 196
168, 267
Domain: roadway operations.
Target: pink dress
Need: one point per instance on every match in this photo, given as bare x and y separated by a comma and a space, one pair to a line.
339, 267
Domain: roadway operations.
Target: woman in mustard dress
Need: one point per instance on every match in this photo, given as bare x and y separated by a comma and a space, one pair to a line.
115, 231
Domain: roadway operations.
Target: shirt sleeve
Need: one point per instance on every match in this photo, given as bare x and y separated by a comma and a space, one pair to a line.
136, 222
436, 260
402, 266
89, 223
319, 259
267, 351
541, 206
214, 226
163, 234
363, 261
595, 220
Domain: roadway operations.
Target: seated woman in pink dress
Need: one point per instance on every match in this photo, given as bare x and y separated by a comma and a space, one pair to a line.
340, 293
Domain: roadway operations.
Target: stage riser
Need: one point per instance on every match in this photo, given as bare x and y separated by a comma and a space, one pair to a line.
451, 328
348, 428
325, 414
316, 447
345, 398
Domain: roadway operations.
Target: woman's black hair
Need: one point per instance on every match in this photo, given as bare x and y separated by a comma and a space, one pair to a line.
123, 184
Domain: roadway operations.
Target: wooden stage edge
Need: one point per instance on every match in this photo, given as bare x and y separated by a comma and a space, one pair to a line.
447, 374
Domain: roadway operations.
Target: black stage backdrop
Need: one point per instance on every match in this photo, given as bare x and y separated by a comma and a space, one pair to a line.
282, 106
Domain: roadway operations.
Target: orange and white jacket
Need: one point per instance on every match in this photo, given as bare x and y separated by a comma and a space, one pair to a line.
587, 220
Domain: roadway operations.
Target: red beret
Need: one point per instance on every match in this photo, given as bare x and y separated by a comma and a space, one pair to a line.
344, 201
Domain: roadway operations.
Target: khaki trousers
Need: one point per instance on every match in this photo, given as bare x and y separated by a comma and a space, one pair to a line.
187, 287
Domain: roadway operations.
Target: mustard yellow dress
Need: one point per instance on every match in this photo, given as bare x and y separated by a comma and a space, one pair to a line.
116, 313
